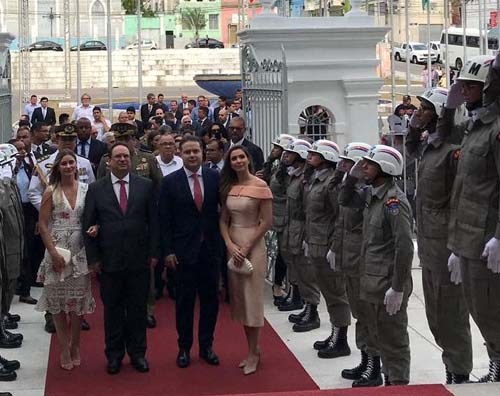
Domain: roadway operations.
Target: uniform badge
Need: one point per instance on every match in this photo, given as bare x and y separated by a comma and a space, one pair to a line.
144, 159
48, 166
457, 154
392, 206
82, 171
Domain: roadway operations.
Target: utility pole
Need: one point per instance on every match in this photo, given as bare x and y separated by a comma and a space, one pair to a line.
24, 54
51, 16
67, 52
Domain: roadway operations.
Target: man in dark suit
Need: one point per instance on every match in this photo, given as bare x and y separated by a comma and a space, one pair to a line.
189, 219
44, 113
40, 133
176, 109
204, 122
124, 206
222, 105
237, 130
148, 109
86, 147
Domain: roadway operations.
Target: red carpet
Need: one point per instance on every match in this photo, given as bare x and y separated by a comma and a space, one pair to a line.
279, 371
412, 390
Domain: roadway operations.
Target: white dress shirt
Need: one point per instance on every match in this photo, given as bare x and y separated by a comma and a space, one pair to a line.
100, 126
116, 185
83, 111
86, 147
172, 166
191, 181
240, 142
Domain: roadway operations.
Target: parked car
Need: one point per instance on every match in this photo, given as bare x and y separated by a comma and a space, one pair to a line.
418, 53
92, 45
45, 46
145, 44
436, 47
205, 43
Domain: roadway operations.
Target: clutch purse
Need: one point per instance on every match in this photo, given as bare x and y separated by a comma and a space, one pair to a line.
66, 255
245, 269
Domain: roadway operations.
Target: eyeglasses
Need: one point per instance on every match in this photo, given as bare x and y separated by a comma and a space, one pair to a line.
236, 129
86, 97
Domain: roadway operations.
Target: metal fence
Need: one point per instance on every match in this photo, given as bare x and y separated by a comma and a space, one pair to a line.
264, 97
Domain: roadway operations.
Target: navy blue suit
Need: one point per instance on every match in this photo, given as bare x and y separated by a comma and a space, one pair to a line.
194, 238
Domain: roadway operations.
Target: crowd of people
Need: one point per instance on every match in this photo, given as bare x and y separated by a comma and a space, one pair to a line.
198, 205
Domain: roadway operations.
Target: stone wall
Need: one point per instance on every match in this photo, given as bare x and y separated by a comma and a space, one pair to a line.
165, 68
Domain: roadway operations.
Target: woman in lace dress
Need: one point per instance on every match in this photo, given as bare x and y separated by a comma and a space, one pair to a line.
245, 218
66, 293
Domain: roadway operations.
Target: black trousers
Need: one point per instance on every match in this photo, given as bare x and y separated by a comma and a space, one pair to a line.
124, 295
279, 269
197, 278
33, 252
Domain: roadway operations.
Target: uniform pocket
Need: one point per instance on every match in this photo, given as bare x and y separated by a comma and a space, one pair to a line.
435, 223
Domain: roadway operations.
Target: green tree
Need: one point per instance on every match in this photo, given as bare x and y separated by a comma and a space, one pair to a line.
130, 7
194, 19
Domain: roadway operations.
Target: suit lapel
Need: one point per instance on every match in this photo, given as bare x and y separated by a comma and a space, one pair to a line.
111, 192
187, 190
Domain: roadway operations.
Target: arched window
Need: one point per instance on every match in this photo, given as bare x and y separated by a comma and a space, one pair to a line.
98, 19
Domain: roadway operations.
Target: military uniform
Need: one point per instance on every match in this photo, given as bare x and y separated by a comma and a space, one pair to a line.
13, 233
321, 209
143, 164
347, 239
294, 234
475, 218
445, 306
387, 254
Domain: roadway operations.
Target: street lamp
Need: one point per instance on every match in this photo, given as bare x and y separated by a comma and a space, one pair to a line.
51, 16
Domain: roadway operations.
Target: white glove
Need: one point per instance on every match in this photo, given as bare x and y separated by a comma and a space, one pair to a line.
330, 257
492, 252
415, 121
305, 248
393, 301
357, 169
455, 269
455, 97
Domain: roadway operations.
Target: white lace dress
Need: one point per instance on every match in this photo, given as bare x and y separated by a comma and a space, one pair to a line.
70, 290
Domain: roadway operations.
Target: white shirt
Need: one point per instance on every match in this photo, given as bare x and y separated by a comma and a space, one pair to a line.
29, 109
81, 112
172, 166
100, 126
240, 142
191, 181
116, 185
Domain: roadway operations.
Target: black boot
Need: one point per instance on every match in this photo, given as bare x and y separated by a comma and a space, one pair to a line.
296, 318
295, 303
449, 376
319, 345
356, 372
493, 373
310, 321
14, 336
10, 324
337, 346
387, 381
13, 317
7, 375
7, 341
10, 365
49, 323
459, 378
371, 376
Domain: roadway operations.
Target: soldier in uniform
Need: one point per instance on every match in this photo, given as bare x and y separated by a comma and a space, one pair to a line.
13, 234
66, 139
345, 256
445, 306
321, 208
143, 164
295, 157
474, 228
386, 254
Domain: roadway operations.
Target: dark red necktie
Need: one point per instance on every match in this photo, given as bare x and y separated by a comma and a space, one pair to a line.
198, 197
123, 196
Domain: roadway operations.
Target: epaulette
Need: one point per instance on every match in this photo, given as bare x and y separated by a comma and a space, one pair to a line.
43, 158
392, 205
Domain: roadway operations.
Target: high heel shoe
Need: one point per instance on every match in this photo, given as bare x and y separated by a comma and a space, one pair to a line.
251, 368
77, 362
243, 363
67, 366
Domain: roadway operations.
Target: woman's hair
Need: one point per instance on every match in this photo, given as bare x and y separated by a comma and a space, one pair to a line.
55, 174
151, 136
228, 177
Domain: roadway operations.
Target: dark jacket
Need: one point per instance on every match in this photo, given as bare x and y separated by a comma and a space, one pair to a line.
255, 152
146, 114
96, 151
125, 241
50, 116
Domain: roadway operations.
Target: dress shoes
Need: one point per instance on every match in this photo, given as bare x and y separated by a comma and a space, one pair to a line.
10, 365
85, 325
9, 343
209, 356
151, 322
183, 358
140, 364
13, 317
14, 336
28, 300
113, 366
7, 375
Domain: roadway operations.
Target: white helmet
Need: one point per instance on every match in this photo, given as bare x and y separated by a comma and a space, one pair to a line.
476, 68
9, 150
436, 97
355, 151
283, 140
299, 146
388, 158
328, 149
